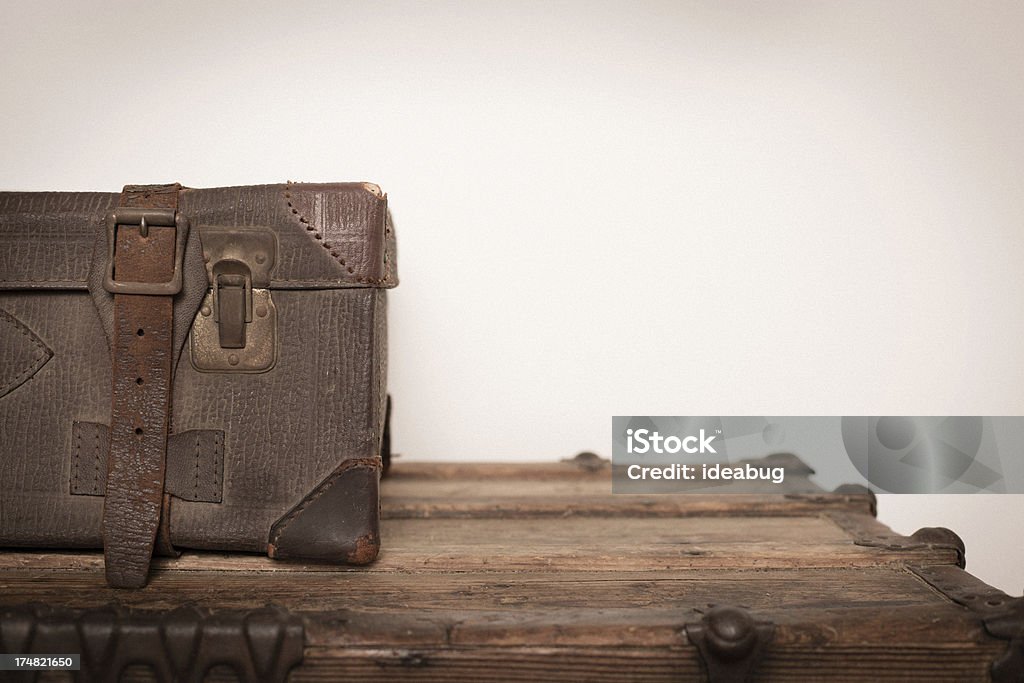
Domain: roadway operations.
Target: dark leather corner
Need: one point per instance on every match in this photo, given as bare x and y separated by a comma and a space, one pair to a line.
338, 521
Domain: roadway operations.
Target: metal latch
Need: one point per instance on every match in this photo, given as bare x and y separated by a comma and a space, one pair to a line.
232, 302
236, 329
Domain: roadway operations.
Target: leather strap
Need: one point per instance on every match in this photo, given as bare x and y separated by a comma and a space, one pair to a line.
141, 361
194, 464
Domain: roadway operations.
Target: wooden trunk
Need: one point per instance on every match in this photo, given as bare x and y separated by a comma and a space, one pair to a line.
537, 572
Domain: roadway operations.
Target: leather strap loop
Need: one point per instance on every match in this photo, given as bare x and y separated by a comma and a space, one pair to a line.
142, 353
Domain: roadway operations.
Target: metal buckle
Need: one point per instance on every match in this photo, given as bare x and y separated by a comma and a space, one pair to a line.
144, 218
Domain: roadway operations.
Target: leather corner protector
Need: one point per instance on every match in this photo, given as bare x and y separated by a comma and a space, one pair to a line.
337, 522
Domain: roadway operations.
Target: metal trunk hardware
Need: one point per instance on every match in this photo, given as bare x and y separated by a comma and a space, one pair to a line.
1001, 615
260, 645
730, 642
236, 328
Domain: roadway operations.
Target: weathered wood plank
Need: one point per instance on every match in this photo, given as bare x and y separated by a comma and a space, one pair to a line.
567, 488
811, 607
569, 544
566, 499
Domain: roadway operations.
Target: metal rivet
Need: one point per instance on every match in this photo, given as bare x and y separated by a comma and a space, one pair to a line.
261, 311
205, 310
233, 359
261, 258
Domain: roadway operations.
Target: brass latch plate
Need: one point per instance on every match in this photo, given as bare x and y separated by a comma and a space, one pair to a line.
245, 257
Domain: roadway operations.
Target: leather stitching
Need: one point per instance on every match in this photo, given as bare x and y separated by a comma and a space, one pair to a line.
77, 432
96, 461
218, 445
207, 451
42, 350
195, 490
317, 235
309, 227
320, 490
80, 484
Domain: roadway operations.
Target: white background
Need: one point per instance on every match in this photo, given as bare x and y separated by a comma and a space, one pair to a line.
711, 208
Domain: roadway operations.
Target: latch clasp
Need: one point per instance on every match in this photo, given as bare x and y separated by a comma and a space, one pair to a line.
232, 302
236, 329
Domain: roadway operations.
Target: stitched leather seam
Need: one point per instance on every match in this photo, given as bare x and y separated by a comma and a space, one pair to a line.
217, 451
195, 488
323, 488
80, 485
310, 228
44, 354
96, 461
78, 453
320, 238
83, 451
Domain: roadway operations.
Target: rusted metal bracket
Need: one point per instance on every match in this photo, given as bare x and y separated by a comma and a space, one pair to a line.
1002, 615
731, 643
872, 534
181, 645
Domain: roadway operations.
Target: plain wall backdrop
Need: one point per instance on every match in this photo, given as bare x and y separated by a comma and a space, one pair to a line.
719, 208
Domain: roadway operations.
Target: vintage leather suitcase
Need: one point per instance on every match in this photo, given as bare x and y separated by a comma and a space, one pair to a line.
194, 368
536, 572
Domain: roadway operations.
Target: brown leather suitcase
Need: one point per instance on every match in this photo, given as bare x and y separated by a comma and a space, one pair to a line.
194, 368
536, 572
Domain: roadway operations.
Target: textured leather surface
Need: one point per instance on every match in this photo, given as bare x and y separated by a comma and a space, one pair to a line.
284, 431
21, 353
142, 348
36, 506
46, 238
